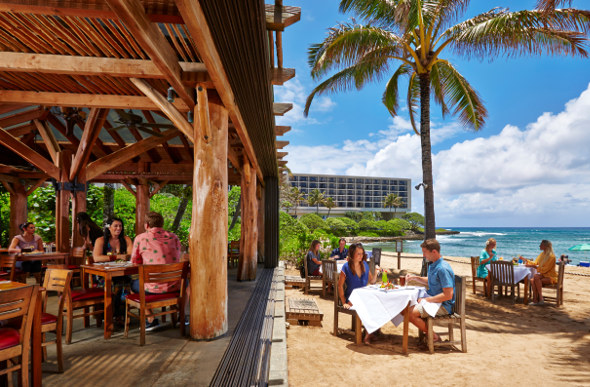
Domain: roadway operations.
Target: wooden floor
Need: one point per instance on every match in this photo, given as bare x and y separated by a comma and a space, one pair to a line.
165, 360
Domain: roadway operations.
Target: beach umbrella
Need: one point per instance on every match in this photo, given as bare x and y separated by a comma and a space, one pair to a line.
580, 247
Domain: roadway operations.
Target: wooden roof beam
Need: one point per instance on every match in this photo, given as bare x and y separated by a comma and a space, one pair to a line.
281, 75
22, 129
279, 109
196, 23
92, 128
288, 15
281, 144
19, 118
280, 130
151, 39
28, 154
49, 140
83, 100
280, 155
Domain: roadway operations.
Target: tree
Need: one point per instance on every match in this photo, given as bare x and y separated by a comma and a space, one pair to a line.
415, 33
313, 222
296, 197
415, 219
329, 203
393, 200
316, 198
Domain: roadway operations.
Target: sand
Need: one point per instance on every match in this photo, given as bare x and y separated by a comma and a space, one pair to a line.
507, 344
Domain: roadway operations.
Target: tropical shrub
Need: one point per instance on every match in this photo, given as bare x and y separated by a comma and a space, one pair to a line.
313, 222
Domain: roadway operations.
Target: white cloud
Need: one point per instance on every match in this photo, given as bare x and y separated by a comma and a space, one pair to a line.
294, 92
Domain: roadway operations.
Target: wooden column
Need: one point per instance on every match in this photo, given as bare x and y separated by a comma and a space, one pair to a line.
249, 241
78, 205
271, 222
208, 235
142, 206
260, 222
18, 208
62, 204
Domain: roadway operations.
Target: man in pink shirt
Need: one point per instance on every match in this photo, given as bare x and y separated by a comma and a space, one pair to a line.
153, 247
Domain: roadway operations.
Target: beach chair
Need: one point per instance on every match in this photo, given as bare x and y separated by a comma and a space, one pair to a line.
309, 278
502, 275
475, 278
329, 275
558, 286
357, 327
457, 316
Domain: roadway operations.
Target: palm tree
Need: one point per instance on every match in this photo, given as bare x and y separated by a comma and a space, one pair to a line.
329, 203
393, 200
414, 33
296, 197
315, 198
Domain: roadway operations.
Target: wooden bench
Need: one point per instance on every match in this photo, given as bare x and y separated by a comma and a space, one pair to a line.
292, 281
304, 311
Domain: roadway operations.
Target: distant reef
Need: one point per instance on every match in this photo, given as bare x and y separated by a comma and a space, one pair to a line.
409, 236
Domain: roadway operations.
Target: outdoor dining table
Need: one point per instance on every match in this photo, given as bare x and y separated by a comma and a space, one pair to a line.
522, 272
36, 347
54, 256
108, 270
375, 307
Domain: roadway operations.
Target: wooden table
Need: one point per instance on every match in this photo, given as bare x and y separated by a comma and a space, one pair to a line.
36, 348
43, 257
107, 270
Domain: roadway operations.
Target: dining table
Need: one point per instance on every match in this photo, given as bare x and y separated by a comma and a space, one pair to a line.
376, 306
40, 256
108, 270
524, 274
36, 335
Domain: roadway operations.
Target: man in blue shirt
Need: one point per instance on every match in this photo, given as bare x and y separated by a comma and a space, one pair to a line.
441, 285
341, 252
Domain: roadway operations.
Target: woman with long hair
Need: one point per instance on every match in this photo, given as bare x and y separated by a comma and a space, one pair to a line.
27, 242
313, 259
89, 230
546, 274
487, 256
113, 242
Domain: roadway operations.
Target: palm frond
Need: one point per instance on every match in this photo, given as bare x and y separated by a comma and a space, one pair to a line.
347, 44
391, 12
568, 19
390, 95
437, 82
459, 94
549, 5
413, 99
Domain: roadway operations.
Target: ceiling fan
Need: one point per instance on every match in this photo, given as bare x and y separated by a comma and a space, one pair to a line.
72, 116
131, 120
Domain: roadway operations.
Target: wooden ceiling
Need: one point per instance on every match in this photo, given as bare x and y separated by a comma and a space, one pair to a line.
70, 69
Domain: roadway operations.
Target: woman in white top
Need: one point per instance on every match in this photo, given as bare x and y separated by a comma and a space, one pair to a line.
27, 242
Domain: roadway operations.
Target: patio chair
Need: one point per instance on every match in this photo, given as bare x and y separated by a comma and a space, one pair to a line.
309, 278
558, 286
329, 275
143, 302
233, 253
57, 280
8, 270
376, 257
83, 299
457, 315
15, 343
425, 265
357, 328
475, 278
502, 275
77, 257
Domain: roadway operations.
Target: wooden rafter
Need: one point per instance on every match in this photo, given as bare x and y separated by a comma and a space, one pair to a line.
104, 164
280, 155
281, 144
18, 118
280, 108
157, 187
151, 39
150, 118
28, 154
35, 185
21, 130
280, 130
92, 128
49, 139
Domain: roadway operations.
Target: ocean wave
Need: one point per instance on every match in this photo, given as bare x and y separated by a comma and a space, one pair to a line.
478, 233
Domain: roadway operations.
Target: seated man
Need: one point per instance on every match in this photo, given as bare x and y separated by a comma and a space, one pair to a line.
153, 247
341, 252
441, 285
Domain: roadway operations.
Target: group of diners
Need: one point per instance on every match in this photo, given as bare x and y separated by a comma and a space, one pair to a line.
355, 274
154, 246
544, 265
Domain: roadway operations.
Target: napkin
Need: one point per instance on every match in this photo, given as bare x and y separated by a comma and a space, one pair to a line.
430, 307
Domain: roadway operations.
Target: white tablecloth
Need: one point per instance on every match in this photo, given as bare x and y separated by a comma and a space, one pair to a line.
376, 306
520, 272
339, 265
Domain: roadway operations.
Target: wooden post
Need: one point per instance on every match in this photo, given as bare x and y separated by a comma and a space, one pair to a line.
78, 205
249, 241
18, 208
260, 222
142, 206
62, 204
208, 235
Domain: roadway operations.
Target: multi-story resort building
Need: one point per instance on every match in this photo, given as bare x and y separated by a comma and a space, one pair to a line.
352, 193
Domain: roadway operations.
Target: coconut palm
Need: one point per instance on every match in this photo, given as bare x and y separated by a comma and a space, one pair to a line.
329, 203
415, 33
393, 200
316, 198
296, 197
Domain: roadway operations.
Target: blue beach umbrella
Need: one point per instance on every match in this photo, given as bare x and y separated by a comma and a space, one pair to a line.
580, 247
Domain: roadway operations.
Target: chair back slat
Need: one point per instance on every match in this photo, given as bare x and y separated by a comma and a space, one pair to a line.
163, 273
329, 269
474, 265
7, 263
560, 274
376, 257
19, 302
503, 272
57, 280
78, 256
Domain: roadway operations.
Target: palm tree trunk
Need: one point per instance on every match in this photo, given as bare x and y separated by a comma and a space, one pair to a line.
184, 198
429, 223
237, 213
108, 208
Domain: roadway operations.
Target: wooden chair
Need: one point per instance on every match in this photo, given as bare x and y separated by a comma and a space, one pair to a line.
502, 275
57, 280
309, 278
15, 344
558, 286
233, 253
8, 270
475, 278
329, 275
357, 327
142, 301
457, 315
376, 258
76, 299
425, 265
77, 257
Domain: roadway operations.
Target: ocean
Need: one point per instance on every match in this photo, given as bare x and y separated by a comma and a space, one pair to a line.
512, 241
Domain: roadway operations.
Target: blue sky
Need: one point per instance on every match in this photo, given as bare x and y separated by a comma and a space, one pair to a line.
529, 165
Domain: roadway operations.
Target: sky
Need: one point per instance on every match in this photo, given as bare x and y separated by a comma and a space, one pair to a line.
529, 166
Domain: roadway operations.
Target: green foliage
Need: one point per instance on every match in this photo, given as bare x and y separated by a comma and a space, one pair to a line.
125, 209
336, 226
94, 203
291, 242
351, 226
313, 222
415, 219
367, 225
4, 218
371, 234
400, 224
41, 204
354, 215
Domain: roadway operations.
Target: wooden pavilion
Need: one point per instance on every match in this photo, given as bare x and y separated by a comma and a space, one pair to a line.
146, 93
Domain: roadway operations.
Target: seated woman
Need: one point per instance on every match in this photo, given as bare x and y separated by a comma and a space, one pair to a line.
356, 274
546, 274
89, 230
487, 256
114, 241
27, 242
313, 259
